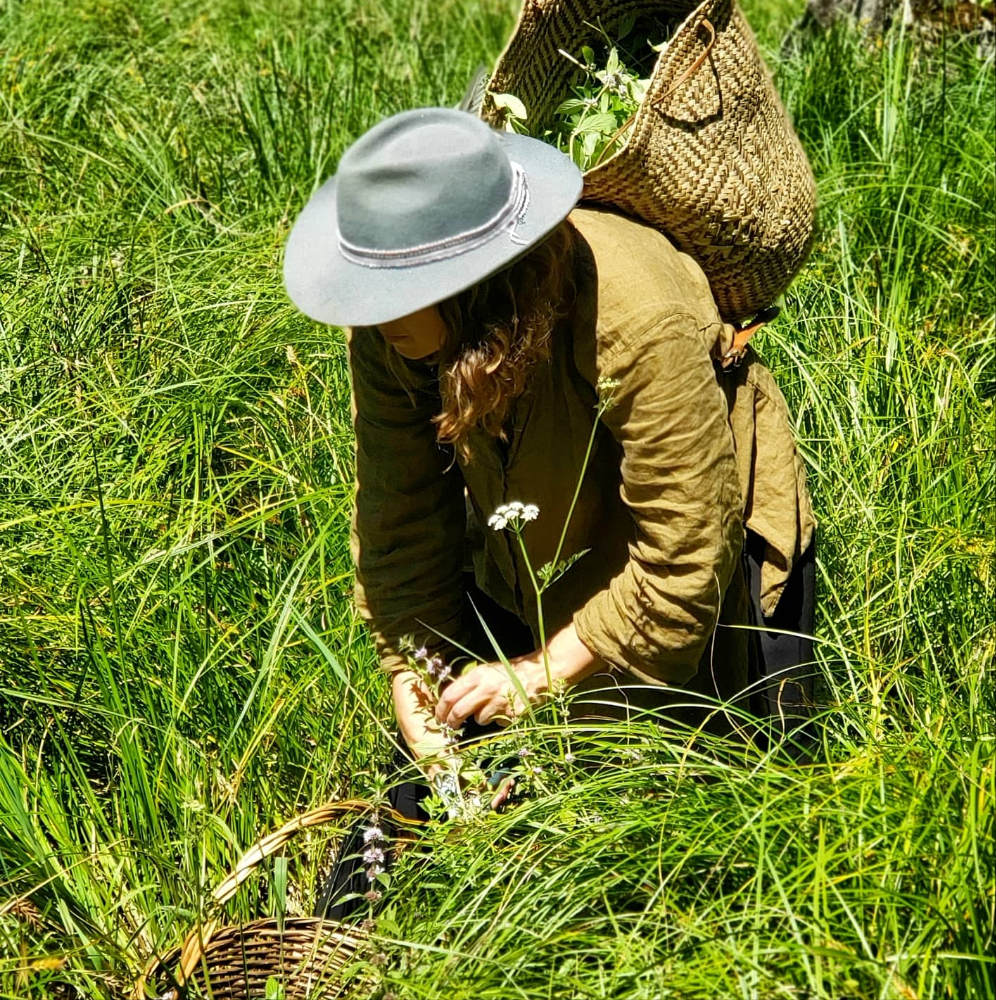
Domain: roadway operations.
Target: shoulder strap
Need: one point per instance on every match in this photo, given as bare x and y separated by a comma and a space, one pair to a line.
738, 349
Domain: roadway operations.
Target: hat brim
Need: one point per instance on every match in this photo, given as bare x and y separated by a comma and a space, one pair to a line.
331, 289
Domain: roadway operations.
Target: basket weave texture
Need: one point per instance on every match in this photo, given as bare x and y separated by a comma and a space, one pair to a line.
305, 955
712, 159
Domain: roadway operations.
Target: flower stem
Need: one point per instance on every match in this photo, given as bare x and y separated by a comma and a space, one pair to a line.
602, 407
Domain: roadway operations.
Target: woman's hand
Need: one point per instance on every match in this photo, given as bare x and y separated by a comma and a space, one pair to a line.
489, 694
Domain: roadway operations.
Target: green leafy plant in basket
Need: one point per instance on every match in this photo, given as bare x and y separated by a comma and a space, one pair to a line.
596, 119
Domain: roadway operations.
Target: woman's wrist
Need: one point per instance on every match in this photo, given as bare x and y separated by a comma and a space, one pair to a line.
433, 750
568, 661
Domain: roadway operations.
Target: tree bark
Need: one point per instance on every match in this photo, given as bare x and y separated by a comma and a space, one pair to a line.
934, 16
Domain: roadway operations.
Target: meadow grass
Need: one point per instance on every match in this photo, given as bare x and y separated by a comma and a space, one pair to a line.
180, 667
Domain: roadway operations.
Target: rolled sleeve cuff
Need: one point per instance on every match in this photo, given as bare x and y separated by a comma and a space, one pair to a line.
598, 626
393, 658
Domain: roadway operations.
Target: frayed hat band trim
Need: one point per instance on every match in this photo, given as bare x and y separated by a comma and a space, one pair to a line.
506, 219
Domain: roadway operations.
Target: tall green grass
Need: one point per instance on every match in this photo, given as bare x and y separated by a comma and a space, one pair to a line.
175, 456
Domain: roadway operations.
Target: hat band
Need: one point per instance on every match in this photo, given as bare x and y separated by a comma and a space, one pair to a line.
506, 219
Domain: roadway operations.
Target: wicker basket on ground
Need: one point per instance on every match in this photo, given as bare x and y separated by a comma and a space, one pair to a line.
712, 159
306, 958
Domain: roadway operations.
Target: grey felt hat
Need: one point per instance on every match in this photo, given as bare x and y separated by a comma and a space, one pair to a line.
424, 205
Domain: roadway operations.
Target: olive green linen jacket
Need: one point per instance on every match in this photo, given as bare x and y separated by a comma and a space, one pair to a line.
683, 460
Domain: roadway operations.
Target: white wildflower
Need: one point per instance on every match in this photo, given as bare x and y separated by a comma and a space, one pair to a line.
613, 81
373, 833
449, 734
373, 855
510, 513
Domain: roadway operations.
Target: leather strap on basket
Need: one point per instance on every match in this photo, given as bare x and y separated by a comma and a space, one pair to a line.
738, 349
694, 68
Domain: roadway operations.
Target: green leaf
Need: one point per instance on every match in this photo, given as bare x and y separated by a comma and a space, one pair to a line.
549, 573
601, 123
512, 104
571, 106
626, 25
279, 894
589, 55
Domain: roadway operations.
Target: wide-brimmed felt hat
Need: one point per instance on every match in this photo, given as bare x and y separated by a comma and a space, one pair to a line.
424, 205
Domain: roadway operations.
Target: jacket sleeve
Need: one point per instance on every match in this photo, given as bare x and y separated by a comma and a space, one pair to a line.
409, 516
680, 485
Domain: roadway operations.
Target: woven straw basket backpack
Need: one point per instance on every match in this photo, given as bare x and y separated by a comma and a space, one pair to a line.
712, 159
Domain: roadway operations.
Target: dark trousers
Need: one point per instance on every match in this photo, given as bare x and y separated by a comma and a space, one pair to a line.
782, 697
782, 665
342, 893
348, 877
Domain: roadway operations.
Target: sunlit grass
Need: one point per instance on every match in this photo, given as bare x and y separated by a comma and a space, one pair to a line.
175, 454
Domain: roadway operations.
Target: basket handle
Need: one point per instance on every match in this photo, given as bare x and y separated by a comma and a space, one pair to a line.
198, 939
737, 350
694, 68
272, 843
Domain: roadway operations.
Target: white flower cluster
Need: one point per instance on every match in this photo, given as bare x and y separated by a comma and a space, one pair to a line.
510, 513
434, 666
451, 736
614, 81
373, 853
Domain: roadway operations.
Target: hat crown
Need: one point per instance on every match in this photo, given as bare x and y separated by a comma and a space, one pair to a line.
421, 178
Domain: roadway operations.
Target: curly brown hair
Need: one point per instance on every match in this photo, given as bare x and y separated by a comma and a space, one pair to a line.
498, 330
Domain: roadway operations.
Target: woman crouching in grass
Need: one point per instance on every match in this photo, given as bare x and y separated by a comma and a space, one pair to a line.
484, 311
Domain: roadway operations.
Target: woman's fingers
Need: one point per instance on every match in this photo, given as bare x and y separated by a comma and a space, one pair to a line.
497, 710
470, 704
454, 691
503, 793
482, 692
476, 679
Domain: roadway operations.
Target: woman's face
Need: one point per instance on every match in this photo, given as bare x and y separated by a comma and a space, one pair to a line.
416, 335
